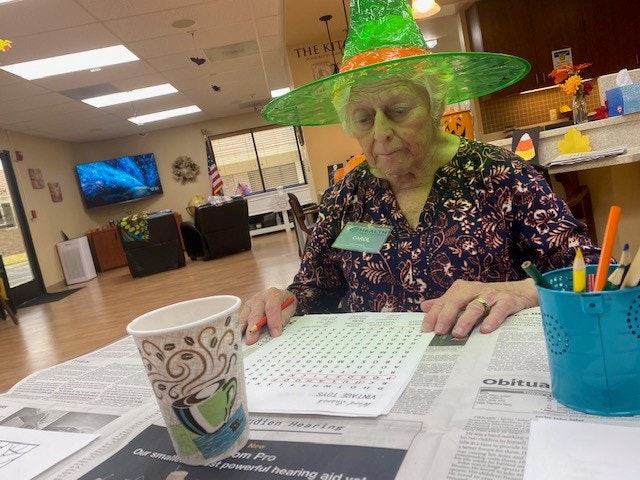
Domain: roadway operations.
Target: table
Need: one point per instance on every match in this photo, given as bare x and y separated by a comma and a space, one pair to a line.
465, 415
267, 202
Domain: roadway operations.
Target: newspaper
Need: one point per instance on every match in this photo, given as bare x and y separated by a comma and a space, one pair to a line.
571, 158
465, 415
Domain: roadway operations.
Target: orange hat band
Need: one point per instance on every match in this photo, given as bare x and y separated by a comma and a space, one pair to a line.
378, 55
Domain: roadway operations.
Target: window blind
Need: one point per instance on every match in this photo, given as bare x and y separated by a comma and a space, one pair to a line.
264, 159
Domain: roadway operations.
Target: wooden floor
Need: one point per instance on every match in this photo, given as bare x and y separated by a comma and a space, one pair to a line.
99, 313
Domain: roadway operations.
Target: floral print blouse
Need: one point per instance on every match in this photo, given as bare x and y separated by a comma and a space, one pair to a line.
486, 213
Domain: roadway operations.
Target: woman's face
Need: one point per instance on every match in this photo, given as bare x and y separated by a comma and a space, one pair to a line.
392, 122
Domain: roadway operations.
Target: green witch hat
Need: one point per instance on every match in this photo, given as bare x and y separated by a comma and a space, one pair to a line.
384, 40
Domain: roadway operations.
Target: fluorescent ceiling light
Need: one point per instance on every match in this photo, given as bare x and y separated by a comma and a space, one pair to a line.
278, 92
131, 96
72, 62
154, 117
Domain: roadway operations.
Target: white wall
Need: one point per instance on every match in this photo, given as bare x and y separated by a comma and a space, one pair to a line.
56, 159
52, 157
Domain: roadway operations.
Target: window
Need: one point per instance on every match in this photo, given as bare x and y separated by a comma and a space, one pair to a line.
6, 215
263, 159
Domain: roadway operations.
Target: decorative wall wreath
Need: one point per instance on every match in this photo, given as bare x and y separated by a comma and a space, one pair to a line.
184, 169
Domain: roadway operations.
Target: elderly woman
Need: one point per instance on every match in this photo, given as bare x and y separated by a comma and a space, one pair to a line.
455, 218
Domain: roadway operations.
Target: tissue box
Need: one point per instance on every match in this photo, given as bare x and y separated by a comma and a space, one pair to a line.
623, 100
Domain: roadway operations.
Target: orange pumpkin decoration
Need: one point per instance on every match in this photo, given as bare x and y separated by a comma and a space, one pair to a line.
458, 123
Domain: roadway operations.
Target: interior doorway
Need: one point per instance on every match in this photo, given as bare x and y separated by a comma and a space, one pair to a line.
16, 246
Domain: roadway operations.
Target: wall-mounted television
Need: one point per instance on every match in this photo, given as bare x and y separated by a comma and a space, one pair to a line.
118, 180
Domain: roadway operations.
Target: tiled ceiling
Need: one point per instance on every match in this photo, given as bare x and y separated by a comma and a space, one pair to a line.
243, 42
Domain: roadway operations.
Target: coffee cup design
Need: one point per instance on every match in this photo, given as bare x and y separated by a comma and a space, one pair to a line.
192, 354
208, 410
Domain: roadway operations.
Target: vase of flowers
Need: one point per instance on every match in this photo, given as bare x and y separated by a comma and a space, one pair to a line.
570, 82
579, 109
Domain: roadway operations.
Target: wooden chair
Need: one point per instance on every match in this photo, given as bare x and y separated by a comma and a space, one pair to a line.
578, 199
304, 220
7, 310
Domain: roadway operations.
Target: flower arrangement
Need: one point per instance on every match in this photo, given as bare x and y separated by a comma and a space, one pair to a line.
135, 227
5, 45
570, 81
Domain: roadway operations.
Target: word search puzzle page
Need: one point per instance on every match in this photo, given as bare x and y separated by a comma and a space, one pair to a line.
353, 364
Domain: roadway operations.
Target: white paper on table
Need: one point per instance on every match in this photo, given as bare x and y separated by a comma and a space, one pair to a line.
353, 364
25, 453
585, 451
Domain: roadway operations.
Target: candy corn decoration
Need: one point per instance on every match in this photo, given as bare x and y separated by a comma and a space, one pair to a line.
5, 45
525, 148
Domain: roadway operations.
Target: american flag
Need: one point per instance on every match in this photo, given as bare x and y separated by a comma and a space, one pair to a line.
214, 175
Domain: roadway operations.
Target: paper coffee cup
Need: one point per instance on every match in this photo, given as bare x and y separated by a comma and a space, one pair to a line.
192, 354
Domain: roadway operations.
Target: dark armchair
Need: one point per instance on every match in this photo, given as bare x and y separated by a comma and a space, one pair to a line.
217, 230
158, 249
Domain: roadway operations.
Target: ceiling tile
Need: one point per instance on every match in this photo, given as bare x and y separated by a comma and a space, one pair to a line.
45, 28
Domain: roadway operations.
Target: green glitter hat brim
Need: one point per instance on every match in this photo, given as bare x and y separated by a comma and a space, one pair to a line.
474, 74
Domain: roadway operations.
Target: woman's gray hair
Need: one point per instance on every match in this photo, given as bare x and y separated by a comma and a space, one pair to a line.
431, 78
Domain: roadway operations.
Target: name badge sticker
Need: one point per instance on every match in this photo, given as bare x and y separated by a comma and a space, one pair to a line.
362, 237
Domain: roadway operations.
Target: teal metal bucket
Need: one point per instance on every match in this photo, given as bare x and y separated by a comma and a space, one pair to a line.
593, 344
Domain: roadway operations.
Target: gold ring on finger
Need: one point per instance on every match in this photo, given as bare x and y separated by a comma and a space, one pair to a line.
484, 304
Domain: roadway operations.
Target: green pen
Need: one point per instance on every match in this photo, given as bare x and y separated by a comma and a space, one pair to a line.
534, 273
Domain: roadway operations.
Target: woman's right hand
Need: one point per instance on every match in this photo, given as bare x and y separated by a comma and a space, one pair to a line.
267, 303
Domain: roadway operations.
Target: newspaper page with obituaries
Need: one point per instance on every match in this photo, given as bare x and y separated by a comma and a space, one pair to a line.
498, 385
464, 415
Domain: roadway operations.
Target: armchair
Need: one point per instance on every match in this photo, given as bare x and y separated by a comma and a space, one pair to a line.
217, 230
157, 251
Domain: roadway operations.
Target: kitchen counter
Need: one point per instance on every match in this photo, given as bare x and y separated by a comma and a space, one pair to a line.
606, 133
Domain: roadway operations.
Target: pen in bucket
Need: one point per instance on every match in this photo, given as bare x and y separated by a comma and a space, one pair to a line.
607, 247
534, 273
632, 277
625, 257
592, 346
615, 279
579, 272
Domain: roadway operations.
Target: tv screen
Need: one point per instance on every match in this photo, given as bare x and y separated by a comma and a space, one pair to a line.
118, 180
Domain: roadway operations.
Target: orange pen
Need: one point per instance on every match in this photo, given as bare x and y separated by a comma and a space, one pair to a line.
610, 230
263, 321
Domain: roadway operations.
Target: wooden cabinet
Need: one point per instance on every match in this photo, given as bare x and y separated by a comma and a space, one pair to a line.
106, 248
557, 25
624, 21
603, 39
498, 26
602, 33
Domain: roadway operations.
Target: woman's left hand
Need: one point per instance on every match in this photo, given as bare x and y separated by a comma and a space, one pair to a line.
466, 303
